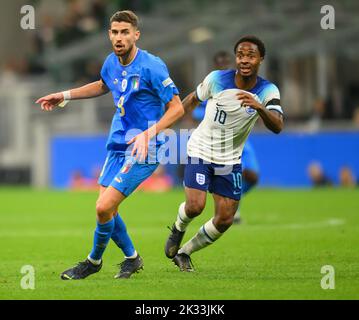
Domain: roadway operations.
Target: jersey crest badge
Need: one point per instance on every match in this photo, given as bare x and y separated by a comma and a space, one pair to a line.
250, 110
200, 178
136, 83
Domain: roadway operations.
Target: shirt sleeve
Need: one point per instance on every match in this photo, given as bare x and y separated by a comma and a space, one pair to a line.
272, 99
204, 89
162, 84
104, 74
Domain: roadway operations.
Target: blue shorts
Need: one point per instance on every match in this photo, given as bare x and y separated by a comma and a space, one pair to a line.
249, 158
215, 178
124, 173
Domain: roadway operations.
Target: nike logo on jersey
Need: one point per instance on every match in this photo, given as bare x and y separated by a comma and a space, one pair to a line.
220, 105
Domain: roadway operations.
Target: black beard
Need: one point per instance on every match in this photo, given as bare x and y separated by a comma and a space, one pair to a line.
126, 54
248, 78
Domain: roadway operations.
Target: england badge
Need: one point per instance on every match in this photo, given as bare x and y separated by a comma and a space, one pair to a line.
200, 178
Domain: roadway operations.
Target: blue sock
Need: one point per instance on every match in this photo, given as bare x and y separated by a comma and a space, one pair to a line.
101, 238
121, 237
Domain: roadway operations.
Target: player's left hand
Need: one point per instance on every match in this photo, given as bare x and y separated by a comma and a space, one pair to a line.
50, 101
140, 147
249, 100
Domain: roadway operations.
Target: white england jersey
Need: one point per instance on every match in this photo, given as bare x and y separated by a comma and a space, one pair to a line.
221, 135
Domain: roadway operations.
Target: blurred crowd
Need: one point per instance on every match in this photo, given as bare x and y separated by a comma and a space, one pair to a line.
76, 19
319, 178
323, 110
61, 23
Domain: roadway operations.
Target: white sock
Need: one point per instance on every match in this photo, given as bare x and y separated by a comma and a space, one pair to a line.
93, 261
237, 214
206, 235
182, 219
133, 256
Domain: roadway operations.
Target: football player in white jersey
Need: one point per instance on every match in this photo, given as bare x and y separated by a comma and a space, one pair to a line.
236, 98
250, 167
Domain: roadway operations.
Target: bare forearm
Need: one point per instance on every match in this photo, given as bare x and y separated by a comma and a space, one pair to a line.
190, 102
174, 112
169, 118
272, 119
90, 90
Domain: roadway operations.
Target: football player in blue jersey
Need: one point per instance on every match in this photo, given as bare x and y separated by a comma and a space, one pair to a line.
141, 88
236, 98
250, 167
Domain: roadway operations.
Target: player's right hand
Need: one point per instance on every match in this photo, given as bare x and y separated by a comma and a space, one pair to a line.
140, 146
50, 101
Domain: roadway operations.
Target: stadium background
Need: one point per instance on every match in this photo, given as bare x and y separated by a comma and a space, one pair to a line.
316, 70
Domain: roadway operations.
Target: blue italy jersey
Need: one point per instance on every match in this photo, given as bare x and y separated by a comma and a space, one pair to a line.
140, 92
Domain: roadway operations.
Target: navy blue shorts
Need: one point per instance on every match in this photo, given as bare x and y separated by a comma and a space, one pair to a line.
223, 180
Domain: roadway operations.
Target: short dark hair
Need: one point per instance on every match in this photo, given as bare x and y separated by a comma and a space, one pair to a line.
125, 16
254, 40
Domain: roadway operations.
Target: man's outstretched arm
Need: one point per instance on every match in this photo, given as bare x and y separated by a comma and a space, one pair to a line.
90, 90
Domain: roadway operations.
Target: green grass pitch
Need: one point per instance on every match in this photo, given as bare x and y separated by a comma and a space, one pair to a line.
277, 253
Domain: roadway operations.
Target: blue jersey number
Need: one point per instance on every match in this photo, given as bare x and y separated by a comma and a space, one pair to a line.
220, 116
237, 180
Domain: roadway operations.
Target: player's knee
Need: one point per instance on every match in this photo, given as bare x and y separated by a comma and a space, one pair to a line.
225, 214
223, 222
251, 177
254, 179
194, 207
103, 211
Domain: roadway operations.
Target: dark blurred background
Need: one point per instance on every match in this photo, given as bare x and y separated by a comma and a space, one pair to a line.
316, 70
